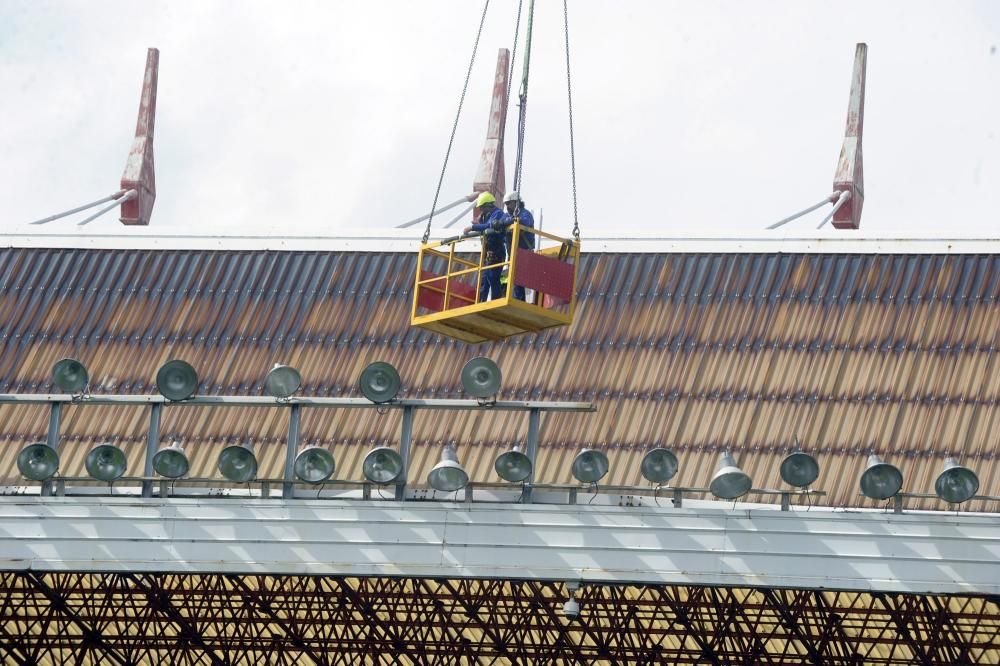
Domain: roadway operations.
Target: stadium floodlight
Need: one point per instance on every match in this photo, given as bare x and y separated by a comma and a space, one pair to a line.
729, 481
382, 465
590, 466
658, 465
176, 380
38, 461
481, 377
171, 462
799, 469
880, 480
955, 483
448, 475
238, 463
282, 381
70, 375
513, 466
106, 463
314, 464
379, 382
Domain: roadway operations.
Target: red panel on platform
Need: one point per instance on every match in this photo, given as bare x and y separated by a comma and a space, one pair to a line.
431, 295
545, 274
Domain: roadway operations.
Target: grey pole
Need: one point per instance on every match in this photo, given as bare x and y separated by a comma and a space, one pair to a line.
532, 452
52, 439
152, 443
291, 448
405, 438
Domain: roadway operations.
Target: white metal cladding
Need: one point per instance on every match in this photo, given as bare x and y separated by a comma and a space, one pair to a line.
918, 553
376, 240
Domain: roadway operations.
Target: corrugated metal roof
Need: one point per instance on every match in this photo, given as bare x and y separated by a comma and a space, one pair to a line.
698, 352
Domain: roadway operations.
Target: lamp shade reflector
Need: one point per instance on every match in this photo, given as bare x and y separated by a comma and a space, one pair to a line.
481, 377
379, 382
282, 381
382, 465
799, 469
70, 375
38, 461
106, 462
590, 466
955, 483
729, 481
658, 465
513, 466
448, 475
171, 462
314, 464
238, 463
176, 380
880, 479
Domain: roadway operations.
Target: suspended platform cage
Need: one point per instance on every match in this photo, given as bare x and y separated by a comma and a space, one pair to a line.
445, 296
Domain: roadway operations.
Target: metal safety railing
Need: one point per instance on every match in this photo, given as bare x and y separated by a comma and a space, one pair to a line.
448, 278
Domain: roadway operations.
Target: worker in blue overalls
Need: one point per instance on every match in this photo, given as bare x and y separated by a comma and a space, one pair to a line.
492, 225
526, 240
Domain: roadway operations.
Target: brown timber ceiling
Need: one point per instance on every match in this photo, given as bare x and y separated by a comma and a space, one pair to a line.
697, 352
137, 618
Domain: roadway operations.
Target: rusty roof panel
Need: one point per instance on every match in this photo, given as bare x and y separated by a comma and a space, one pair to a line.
698, 352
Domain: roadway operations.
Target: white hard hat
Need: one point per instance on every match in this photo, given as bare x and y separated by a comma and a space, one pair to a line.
512, 196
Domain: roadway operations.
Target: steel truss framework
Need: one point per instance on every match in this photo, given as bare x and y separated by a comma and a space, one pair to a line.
140, 618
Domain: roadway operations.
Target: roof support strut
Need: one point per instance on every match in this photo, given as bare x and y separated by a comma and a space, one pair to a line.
849, 176
139, 173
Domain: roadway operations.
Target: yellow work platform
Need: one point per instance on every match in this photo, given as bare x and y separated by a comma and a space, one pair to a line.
445, 296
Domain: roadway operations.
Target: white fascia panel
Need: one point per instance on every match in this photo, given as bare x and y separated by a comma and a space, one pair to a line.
917, 553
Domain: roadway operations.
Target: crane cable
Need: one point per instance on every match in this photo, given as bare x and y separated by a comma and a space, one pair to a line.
454, 127
572, 151
523, 101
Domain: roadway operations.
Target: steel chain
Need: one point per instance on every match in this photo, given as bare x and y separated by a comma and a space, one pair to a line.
454, 127
572, 150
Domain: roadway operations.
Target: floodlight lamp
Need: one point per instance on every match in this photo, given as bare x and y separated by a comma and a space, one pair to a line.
38, 461
799, 469
729, 481
282, 381
658, 465
956, 484
590, 466
314, 464
238, 463
513, 466
448, 475
382, 465
171, 462
106, 463
481, 377
880, 480
70, 375
176, 380
379, 382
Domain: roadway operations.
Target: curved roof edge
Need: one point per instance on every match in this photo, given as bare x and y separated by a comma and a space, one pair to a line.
388, 242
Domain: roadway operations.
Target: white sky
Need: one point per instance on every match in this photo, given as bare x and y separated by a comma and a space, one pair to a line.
692, 118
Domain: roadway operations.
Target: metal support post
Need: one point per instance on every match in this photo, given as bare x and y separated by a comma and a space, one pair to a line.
897, 503
678, 498
291, 448
152, 443
532, 452
405, 439
786, 501
52, 439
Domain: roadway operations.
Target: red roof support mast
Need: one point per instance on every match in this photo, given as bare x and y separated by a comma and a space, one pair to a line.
139, 172
490, 176
850, 174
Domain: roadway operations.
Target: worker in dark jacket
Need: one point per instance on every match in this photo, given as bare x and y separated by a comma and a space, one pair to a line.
526, 240
492, 224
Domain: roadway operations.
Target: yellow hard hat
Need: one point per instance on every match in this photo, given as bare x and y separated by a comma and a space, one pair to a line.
485, 198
